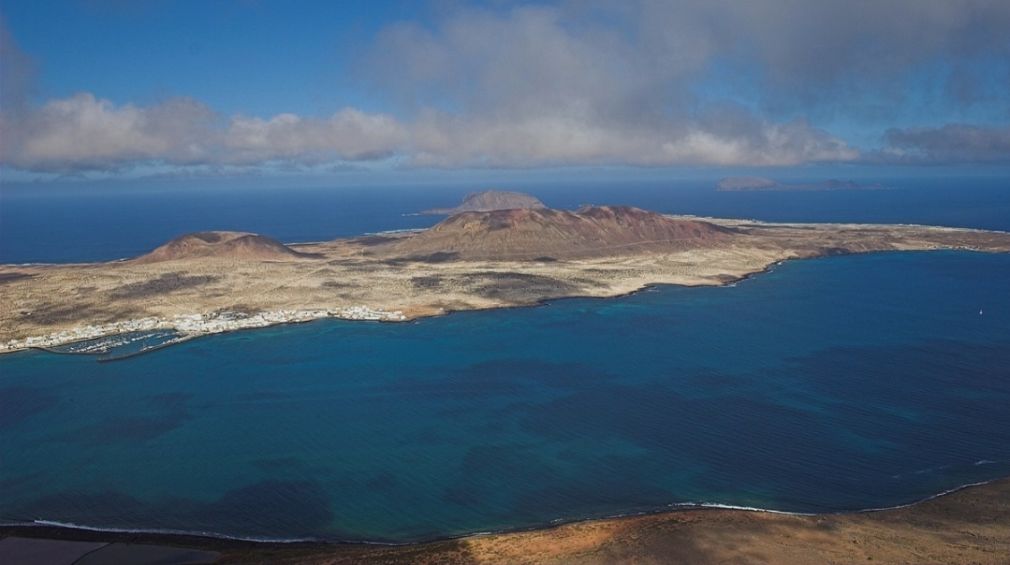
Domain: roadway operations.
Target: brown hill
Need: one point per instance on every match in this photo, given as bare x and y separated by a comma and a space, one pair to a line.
542, 233
490, 200
224, 245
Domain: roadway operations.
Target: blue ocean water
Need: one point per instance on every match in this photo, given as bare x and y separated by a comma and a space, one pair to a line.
832, 384
72, 223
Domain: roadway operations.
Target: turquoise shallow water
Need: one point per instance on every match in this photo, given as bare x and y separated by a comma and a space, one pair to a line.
825, 385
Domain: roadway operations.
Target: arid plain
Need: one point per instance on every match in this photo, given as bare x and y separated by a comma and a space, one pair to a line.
472, 260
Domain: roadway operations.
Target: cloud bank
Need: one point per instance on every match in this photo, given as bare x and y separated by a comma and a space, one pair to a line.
951, 143
83, 133
641, 83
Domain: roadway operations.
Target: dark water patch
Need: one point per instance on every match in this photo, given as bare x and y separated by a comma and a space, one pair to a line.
268, 507
612, 484
21, 482
383, 482
18, 403
131, 429
935, 366
890, 394
160, 414
488, 472
170, 400
502, 377
105, 508
275, 464
488, 459
533, 371
430, 435
704, 381
262, 396
458, 386
728, 433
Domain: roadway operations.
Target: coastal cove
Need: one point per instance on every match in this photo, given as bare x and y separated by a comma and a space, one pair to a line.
881, 384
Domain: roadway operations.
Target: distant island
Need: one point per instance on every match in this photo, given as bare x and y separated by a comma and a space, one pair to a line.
758, 184
217, 281
487, 201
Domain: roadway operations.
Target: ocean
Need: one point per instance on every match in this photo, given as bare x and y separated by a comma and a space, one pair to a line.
826, 385
85, 223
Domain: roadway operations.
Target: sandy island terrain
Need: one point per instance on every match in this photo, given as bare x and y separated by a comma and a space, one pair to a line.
220, 281
971, 525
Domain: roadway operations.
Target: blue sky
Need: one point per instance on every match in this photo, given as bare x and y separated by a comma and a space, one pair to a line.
251, 57
109, 88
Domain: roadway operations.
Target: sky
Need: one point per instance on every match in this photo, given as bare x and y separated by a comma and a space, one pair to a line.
99, 89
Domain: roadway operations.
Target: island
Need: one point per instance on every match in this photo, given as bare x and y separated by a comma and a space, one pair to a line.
211, 282
489, 200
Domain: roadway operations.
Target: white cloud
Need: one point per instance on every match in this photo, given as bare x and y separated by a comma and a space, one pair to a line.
446, 141
84, 133
576, 83
346, 135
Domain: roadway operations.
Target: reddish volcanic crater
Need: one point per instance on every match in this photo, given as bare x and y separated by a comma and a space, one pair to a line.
532, 233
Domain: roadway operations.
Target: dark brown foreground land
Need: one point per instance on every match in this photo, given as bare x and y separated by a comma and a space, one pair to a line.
968, 526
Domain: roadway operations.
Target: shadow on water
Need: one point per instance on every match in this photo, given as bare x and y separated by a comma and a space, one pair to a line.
18, 403
157, 415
